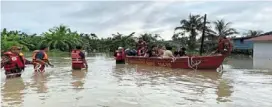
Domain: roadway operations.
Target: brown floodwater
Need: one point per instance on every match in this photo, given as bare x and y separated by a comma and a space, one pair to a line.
106, 84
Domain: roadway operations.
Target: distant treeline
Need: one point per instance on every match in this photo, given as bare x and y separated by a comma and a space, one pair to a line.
62, 38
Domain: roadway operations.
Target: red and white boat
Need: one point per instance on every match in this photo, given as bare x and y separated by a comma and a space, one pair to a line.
185, 62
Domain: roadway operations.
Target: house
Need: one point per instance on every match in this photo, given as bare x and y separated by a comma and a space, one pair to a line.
262, 51
242, 46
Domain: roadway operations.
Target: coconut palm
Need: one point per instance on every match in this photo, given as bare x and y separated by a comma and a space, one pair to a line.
149, 37
253, 33
180, 39
61, 38
121, 40
194, 24
222, 28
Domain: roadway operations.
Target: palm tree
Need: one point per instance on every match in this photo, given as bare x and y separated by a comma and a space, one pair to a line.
253, 33
193, 25
118, 39
93, 35
180, 39
149, 37
61, 38
222, 28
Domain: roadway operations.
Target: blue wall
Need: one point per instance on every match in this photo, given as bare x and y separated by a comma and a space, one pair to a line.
245, 45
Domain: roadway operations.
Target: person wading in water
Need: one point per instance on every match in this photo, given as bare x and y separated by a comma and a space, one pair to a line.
78, 59
12, 62
40, 59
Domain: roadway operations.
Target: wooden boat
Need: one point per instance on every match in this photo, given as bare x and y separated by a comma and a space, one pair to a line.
185, 62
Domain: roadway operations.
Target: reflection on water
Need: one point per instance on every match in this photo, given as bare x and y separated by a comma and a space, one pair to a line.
109, 85
224, 91
13, 91
39, 82
78, 79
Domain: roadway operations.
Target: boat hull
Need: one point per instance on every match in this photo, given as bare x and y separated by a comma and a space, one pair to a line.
186, 62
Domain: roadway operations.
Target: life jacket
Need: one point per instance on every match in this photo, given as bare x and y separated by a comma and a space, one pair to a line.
14, 63
123, 54
45, 57
120, 55
76, 58
224, 46
22, 57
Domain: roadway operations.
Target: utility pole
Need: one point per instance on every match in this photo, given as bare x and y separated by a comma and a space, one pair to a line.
203, 35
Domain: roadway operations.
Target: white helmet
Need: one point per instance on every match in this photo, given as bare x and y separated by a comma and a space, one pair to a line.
119, 48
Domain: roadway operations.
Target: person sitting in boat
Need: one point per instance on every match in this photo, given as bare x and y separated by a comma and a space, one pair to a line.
152, 52
78, 58
141, 47
161, 50
180, 52
168, 53
12, 62
120, 56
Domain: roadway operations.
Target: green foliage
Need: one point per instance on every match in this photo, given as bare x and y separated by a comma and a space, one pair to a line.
62, 38
253, 33
222, 28
194, 26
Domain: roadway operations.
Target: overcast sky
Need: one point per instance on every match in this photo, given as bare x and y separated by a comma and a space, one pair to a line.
107, 17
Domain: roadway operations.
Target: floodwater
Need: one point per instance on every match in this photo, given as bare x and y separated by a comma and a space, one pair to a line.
106, 84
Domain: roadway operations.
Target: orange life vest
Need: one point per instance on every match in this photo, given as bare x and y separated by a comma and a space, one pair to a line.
76, 58
45, 57
14, 63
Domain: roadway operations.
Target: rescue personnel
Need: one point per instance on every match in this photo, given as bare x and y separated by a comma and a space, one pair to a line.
224, 46
78, 59
120, 56
141, 47
12, 62
40, 59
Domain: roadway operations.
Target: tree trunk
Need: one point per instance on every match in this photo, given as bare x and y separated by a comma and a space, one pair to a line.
192, 40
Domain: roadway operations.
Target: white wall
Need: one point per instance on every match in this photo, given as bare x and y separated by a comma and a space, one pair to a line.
262, 55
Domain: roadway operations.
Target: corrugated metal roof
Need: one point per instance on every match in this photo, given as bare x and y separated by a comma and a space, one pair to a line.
261, 38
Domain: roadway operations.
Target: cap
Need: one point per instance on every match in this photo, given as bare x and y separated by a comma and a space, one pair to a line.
119, 48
